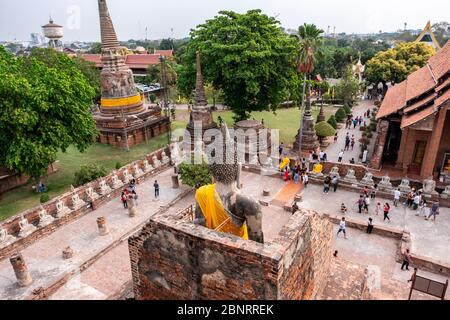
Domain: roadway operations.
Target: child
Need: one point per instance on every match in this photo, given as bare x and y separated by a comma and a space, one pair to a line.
343, 209
378, 208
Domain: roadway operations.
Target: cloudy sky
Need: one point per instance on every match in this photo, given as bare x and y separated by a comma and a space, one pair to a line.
19, 18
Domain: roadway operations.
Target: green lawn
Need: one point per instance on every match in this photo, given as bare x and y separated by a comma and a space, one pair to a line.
286, 120
68, 163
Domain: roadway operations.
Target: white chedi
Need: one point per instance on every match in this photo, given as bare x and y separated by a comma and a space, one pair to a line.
77, 203
26, 228
44, 218
61, 209
104, 189
116, 183
147, 166
5, 238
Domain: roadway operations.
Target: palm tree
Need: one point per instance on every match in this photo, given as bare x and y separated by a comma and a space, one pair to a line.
310, 39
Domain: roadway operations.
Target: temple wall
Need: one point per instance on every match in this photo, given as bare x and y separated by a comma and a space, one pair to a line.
410, 144
444, 145
174, 259
13, 180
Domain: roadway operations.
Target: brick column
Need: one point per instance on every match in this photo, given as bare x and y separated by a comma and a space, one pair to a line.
21, 270
377, 156
431, 152
401, 151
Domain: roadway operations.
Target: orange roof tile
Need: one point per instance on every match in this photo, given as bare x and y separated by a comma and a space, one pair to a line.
393, 101
444, 84
95, 58
419, 82
440, 62
166, 53
142, 60
442, 99
409, 120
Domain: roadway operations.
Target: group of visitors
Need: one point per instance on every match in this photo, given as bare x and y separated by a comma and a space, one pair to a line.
415, 201
129, 194
297, 172
330, 182
351, 121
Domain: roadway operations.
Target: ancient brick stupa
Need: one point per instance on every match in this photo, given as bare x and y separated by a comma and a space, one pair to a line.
200, 115
306, 139
123, 119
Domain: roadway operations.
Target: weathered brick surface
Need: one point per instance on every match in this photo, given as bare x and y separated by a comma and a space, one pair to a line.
32, 215
174, 259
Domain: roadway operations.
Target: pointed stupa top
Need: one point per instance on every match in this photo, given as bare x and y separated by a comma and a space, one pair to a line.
109, 37
200, 97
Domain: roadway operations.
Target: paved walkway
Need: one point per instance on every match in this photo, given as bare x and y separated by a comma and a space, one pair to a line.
429, 239
334, 148
44, 258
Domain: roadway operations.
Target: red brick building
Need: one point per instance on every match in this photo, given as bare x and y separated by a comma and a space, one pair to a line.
414, 127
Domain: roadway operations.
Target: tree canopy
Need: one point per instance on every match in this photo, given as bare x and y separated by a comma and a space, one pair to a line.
310, 40
247, 56
348, 88
394, 65
43, 109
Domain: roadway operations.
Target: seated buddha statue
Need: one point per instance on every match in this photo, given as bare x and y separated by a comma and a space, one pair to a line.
221, 206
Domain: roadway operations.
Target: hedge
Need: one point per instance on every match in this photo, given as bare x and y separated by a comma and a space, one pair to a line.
324, 129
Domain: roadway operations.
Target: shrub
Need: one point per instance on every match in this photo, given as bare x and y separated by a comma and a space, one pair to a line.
45, 198
341, 115
324, 129
118, 165
152, 98
332, 121
195, 175
347, 109
89, 173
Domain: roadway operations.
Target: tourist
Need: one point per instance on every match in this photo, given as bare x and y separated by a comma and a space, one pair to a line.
342, 228
296, 176
378, 208
373, 192
347, 143
355, 122
423, 210
41, 187
360, 203
286, 174
326, 185
413, 275
325, 157
334, 182
341, 154
352, 161
352, 144
135, 197
295, 208
397, 194
410, 199
386, 209
321, 154
406, 260
369, 226
366, 204
343, 208
133, 185
123, 198
416, 201
305, 179
335, 254
366, 191
156, 186
360, 120
336, 137
434, 211
281, 148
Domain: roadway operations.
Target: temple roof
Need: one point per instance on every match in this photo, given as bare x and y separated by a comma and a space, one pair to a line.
422, 93
133, 61
427, 36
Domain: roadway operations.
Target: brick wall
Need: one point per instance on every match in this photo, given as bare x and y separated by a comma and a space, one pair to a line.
174, 259
11, 225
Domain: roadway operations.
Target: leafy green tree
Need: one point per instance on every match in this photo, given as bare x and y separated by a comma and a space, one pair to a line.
394, 65
154, 74
43, 109
340, 115
348, 88
324, 129
89, 173
96, 48
247, 56
332, 121
195, 175
166, 44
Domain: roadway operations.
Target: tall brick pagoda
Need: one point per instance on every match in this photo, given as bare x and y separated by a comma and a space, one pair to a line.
123, 119
200, 114
306, 139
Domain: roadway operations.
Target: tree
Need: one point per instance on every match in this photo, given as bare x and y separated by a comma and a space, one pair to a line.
88, 173
96, 48
247, 56
195, 175
166, 44
394, 65
43, 109
348, 88
154, 74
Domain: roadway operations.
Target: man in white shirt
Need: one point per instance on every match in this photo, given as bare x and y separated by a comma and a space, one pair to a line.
397, 195
341, 154
416, 201
342, 227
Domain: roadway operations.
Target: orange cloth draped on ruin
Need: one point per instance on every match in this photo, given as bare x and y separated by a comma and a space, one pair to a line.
214, 212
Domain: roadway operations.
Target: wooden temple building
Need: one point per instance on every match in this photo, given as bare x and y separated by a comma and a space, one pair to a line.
414, 127
123, 119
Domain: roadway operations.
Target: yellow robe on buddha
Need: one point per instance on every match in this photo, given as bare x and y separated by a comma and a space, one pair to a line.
318, 168
214, 212
286, 161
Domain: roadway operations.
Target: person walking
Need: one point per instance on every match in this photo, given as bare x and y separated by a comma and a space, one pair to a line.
305, 179
123, 198
416, 201
342, 227
373, 192
423, 210
434, 211
135, 197
156, 186
360, 203
334, 182
386, 209
369, 226
406, 260
378, 208
296, 176
397, 194
366, 204
326, 185
341, 155
336, 137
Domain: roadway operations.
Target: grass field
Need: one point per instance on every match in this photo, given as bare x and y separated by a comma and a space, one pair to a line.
68, 163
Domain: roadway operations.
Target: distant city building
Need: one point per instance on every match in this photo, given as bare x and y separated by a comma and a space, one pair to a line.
54, 33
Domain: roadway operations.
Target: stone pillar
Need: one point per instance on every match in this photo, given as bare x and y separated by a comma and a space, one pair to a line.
94, 205
377, 156
102, 227
175, 181
67, 253
432, 149
239, 174
21, 270
131, 207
